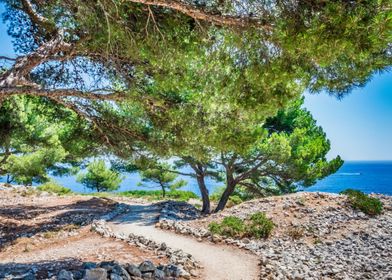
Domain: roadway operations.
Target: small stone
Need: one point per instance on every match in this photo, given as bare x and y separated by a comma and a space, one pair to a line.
134, 270
96, 274
115, 276
159, 274
163, 246
65, 275
147, 266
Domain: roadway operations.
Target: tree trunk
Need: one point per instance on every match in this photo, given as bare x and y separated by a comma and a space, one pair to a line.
9, 179
230, 187
163, 191
206, 209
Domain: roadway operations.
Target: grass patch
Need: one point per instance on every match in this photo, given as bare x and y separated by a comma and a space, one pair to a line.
359, 200
256, 226
150, 195
53, 187
157, 195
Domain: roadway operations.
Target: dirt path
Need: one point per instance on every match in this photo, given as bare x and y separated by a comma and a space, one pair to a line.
220, 262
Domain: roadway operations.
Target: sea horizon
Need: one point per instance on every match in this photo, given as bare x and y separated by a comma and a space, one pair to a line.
369, 176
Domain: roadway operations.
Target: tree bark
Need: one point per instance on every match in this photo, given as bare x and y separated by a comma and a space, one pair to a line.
200, 177
230, 187
163, 191
199, 13
206, 209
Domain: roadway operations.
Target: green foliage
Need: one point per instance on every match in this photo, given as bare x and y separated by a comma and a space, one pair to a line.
290, 153
359, 200
37, 138
54, 187
157, 195
100, 178
234, 200
260, 226
230, 226
257, 226
161, 174
239, 195
32, 167
194, 88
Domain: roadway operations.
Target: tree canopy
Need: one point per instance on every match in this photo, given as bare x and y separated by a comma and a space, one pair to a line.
196, 79
213, 61
37, 138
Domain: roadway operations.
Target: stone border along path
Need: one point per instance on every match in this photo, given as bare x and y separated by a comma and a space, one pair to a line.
220, 262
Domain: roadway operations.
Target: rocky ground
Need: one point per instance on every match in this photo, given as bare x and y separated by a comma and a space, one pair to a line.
45, 236
317, 236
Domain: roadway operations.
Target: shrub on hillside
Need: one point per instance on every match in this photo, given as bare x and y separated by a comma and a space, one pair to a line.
53, 187
359, 200
260, 226
257, 226
230, 226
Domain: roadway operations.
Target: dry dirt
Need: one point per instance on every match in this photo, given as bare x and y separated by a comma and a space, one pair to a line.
53, 232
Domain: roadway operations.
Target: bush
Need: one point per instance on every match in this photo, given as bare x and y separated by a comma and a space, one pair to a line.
230, 226
53, 187
100, 178
361, 201
257, 226
260, 226
157, 195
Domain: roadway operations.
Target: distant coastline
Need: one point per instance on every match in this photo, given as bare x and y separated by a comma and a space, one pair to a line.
374, 177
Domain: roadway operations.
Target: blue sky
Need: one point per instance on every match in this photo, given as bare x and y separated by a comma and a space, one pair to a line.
359, 126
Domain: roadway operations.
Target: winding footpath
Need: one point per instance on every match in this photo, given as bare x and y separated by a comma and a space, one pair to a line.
220, 262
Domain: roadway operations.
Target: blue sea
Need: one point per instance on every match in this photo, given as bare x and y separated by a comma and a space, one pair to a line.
369, 177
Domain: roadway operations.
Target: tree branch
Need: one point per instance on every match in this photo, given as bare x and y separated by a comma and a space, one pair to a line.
2, 57
10, 91
201, 14
36, 18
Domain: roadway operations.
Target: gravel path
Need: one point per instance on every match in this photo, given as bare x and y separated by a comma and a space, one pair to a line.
220, 262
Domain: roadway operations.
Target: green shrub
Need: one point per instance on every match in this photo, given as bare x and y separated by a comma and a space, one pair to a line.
53, 187
260, 226
157, 195
181, 195
230, 226
257, 226
215, 228
99, 177
361, 201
